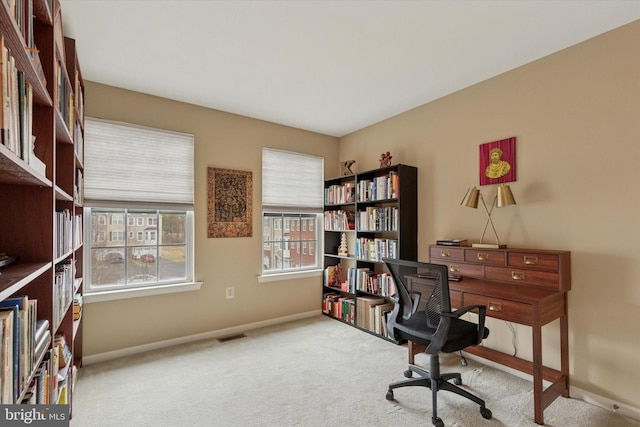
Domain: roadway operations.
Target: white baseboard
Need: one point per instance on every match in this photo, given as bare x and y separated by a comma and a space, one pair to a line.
575, 392
606, 403
109, 355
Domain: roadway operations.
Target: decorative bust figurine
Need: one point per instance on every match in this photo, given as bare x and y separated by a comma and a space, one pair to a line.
385, 160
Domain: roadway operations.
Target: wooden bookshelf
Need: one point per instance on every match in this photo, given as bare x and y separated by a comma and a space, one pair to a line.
375, 212
41, 165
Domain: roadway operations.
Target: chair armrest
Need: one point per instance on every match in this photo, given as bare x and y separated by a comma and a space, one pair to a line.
464, 310
482, 313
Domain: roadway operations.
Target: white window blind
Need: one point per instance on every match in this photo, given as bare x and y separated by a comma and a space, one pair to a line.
291, 180
129, 163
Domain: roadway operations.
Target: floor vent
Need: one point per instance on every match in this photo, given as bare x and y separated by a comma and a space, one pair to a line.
231, 338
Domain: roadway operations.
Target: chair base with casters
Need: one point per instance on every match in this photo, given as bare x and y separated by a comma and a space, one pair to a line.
437, 381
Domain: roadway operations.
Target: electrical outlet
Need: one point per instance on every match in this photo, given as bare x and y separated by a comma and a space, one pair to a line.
230, 292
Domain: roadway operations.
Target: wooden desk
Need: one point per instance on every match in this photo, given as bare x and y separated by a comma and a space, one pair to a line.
524, 286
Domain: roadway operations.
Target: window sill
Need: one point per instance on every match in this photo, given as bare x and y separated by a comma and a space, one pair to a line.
276, 277
139, 292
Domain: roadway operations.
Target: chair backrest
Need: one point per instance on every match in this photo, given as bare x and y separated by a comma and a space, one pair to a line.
433, 274
435, 279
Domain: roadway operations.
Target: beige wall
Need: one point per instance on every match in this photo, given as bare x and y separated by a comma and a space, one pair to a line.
576, 117
221, 140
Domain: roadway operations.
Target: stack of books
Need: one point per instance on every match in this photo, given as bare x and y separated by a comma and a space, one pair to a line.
452, 242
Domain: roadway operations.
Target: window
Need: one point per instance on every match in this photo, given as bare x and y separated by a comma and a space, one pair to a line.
117, 236
152, 260
292, 193
139, 193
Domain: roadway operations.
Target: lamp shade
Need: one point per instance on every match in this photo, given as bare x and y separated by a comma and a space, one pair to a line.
505, 196
471, 198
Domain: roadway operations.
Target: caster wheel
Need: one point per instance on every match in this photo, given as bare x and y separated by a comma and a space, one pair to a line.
457, 381
486, 413
390, 395
408, 373
437, 422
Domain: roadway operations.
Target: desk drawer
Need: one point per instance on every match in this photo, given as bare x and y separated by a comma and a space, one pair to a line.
546, 262
485, 257
441, 254
467, 270
520, 276
502, 309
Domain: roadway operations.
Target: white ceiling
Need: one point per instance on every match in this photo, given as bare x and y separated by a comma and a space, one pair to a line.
327, 66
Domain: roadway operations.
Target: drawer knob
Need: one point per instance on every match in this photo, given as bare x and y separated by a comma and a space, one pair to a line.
445, 254
531, 260
495, 306
454, 268
518, 276
483, 256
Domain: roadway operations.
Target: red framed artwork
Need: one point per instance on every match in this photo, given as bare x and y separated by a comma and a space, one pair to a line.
498, 161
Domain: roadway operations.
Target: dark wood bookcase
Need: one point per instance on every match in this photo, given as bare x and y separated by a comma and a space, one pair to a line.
41, 170
375, 214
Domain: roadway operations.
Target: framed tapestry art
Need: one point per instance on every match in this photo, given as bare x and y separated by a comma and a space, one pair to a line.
229, 203
498, 161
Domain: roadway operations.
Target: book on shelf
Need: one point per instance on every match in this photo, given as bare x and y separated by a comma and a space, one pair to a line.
7, 331
42, 338
333, 275
42, 344
6, 259
378, 318
17, 342
363, 310
35, 162
452, 242
24, 332
64, 353
77, 306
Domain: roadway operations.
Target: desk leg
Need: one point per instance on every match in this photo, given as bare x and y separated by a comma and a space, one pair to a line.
413, 350
564, 351
538, 410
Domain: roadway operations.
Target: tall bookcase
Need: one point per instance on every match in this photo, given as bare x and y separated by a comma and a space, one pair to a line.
368, 216
41, 171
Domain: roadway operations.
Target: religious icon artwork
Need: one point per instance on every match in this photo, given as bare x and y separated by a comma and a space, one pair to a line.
498, 161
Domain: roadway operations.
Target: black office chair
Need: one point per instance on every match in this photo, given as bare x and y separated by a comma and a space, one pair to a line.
435, 326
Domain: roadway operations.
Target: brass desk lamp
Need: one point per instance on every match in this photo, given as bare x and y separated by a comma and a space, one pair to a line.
504, 197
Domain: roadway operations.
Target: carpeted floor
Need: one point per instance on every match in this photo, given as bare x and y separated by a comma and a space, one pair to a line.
313, 372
